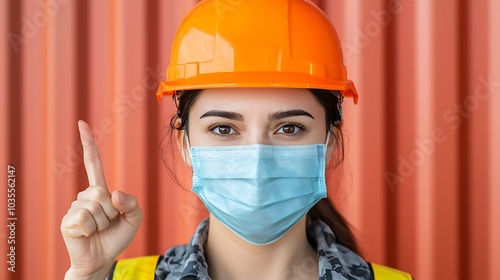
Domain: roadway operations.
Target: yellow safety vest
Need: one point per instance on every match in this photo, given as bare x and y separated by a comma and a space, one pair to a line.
143, 268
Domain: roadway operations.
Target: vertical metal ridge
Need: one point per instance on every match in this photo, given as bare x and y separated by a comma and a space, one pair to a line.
464, 180
391, 143
14, 128
82, 81
82, 59
153, 48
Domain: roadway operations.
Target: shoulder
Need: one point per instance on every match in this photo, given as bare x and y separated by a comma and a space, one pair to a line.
338, 261
381, 272
179, 262
151, 267
135, 268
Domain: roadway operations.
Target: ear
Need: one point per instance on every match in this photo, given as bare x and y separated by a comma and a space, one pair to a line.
179, 134
180, 137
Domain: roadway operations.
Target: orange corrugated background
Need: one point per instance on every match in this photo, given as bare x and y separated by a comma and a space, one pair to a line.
428, 73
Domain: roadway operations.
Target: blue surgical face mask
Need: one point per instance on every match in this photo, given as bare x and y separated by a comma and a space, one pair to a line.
259, 192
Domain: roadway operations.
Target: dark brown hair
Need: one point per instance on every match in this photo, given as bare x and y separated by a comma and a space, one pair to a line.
324, 210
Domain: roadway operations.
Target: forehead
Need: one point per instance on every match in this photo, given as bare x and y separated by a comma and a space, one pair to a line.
257, 98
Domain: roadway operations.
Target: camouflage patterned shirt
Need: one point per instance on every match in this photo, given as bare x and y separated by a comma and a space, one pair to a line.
334, 261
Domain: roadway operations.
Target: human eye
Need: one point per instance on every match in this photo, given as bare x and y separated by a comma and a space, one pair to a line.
222, 130
290, 129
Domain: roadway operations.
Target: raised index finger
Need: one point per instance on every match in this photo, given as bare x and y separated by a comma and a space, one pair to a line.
91, 157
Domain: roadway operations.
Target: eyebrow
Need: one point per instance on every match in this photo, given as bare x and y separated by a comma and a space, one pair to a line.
223, 114
290, 113
239, 117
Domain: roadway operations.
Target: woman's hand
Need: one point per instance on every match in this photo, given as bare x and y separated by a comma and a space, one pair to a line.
99, 225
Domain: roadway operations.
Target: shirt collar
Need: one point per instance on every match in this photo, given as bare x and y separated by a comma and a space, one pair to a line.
334, 260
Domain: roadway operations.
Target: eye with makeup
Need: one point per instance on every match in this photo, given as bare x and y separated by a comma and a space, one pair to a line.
222, 129
290, 129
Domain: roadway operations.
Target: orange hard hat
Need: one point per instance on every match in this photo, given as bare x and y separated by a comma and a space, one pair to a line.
256, 44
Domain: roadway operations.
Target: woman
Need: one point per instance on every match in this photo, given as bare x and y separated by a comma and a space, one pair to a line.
259, 87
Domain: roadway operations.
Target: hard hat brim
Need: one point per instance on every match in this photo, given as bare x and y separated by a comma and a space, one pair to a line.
257, 80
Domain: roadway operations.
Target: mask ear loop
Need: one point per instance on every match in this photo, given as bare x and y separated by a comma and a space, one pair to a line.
175, 98
328, 133
186, 138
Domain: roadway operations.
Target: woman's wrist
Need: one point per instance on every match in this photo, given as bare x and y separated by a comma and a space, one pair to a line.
73, 274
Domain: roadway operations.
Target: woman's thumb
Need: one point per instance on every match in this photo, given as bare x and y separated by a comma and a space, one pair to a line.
128, 206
